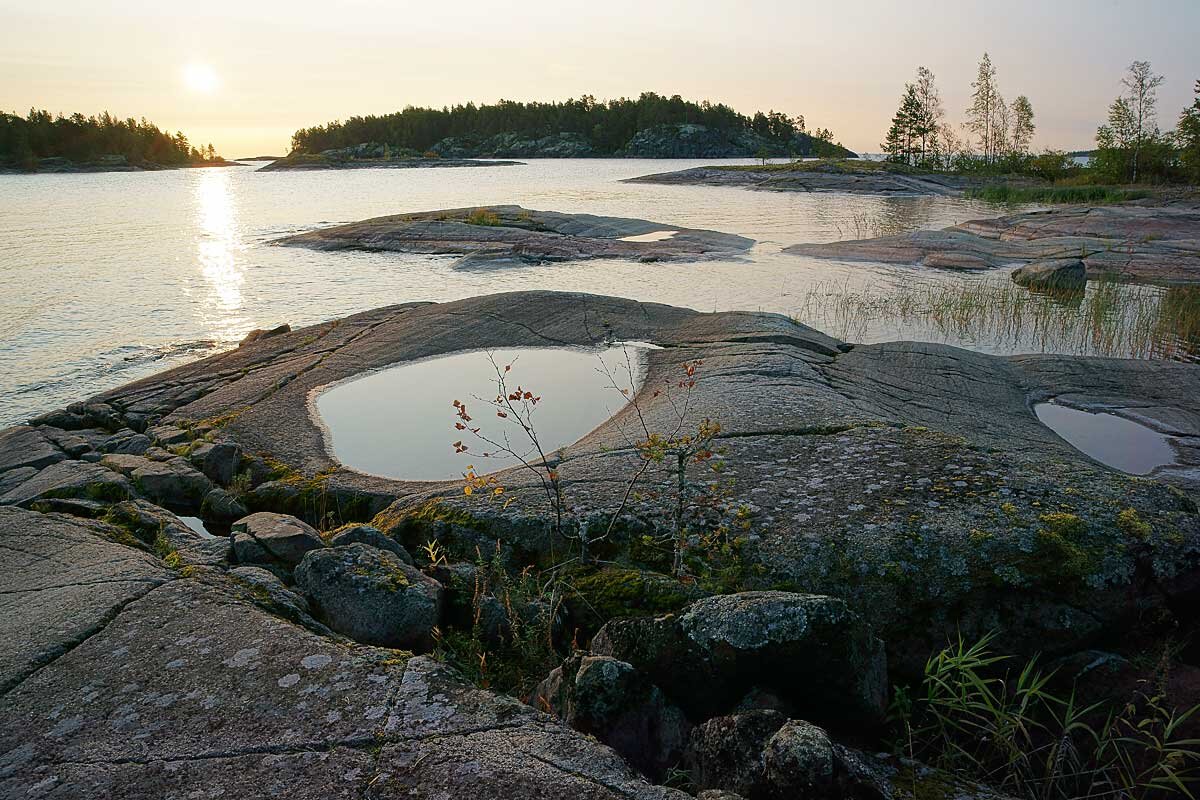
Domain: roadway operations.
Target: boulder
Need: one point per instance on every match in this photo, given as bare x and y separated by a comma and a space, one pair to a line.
221, 506
764, 756
70, 479
219, 461
371, 595
173, 483
126, 441
267, 590
1065, 274
610, 700
365, 534
25, 446
809, 650
71, 443
727, 752
270, 539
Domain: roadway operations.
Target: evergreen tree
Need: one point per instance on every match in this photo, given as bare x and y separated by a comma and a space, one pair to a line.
1188, 134
901, 136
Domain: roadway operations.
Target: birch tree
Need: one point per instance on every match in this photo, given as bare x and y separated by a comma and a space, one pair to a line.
981, 115
1022, 125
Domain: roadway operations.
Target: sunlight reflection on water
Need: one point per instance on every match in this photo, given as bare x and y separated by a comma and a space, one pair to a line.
217, 246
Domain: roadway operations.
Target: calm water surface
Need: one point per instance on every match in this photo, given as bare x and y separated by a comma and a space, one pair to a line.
106, 278
367, 433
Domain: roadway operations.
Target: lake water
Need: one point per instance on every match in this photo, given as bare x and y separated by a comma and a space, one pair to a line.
105, 278
369, 434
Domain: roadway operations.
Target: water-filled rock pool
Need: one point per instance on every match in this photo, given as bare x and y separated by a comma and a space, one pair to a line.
400, 422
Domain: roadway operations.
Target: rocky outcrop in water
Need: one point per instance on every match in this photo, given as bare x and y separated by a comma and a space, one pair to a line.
839, 175
495, 234
1140, 241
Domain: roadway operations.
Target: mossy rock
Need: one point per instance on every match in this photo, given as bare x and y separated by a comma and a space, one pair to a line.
605, 594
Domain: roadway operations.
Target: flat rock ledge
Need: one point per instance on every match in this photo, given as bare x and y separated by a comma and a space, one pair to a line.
139, 657
850, 176
487, 235
1138, 241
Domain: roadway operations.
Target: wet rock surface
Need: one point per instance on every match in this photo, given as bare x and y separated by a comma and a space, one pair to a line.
497, 233
1141, 241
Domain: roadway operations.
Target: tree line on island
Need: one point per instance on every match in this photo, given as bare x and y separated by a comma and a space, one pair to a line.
996, 136
25, 142
604, 128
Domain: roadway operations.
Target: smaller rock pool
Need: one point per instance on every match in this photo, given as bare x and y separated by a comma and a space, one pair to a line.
1112, 440
399, 422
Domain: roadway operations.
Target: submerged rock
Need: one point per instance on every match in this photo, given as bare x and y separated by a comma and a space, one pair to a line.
371, 595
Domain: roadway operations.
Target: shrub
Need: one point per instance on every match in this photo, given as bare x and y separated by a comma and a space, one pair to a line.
1009, 731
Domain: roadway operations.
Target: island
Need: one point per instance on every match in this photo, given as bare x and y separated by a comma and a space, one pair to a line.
42, 142
651, 126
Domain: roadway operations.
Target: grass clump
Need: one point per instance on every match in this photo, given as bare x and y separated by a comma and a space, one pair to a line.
483, 216
972, 717
1004, 193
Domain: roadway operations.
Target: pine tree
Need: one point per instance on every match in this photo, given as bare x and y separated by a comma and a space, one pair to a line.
901, 137
1188, 134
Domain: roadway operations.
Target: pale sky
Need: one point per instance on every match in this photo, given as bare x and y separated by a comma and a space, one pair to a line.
842, 64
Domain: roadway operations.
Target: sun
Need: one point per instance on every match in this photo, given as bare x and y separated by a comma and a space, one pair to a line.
200, 78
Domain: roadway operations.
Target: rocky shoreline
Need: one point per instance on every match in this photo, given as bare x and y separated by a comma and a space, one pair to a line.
61, 166
305, 162
826, 175
875, 513
1145, 241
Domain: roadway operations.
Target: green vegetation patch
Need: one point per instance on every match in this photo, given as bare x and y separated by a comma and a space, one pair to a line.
1003, 193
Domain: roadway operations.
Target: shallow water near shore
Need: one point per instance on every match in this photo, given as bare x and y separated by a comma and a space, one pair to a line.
109, 277
400, 422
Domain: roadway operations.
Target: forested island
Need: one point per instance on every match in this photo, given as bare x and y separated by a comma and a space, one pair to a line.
652, 126
43, 142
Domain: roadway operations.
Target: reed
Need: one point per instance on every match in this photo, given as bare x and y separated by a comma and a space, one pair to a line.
1110, 318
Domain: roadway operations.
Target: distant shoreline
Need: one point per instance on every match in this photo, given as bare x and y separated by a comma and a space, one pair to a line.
64, 167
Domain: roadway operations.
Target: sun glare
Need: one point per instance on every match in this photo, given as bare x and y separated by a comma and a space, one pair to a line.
200, 78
